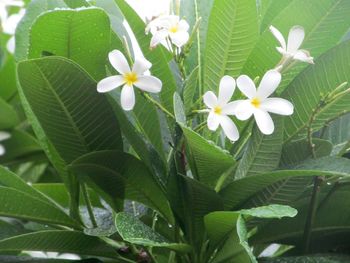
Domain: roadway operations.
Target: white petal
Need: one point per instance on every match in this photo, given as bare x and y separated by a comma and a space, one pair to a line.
128, 98
213, 121
158, 37
119, 61
230, 129
277, 105
244, 109
226, 89
110, 83
141, 65
282, 51
4, 136
179, 38
246, 86
183, 25
10, 24
11, 45
279, 37
231, 108
210, 99
264, 121
269, 83
295, 38
304, 56
2, 150
149, 83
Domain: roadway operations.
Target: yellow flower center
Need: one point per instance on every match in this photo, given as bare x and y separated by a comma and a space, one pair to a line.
256, 102
218, 110
130, 78
174, 29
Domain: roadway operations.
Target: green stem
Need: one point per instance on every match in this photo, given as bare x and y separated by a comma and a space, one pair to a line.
311, 213
88, 205
159, 106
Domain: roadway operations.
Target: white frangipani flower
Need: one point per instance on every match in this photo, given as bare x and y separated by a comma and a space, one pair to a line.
291, 49
171, 27
3, 136
129, 78
9, 27
220, 108
259, 104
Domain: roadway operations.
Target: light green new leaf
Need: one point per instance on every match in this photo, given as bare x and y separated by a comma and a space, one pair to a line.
190, 87
208, 160
322, 30
263, 152
116, 173
81, 35
17, 204
306, 91
179, 109
239, 192
232, 33
58, 241
132, 230
33, 10
270, 211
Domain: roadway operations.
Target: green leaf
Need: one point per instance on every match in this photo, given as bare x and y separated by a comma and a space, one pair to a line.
190, 89
58, 241
75, 118
237, 193
20, 144
158, 56
263, 152
209, 161
8, 79
270, 9
191, 201
232, 33
76, 3
326, 258
179, 109
14, 203
330, 70
33, 10
323, 31
82, 35
270, 211
8, 116
243, 238
115, 172
298, 151
132, 230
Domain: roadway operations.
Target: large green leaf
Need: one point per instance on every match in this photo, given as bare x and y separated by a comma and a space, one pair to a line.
75, 118
14, 203
208, 160
237, 193
132, 230
117, 172
330, 70
82, 35
323, 31
158, 57
269, 9
33, 10
232, 33
58, 241
263, 152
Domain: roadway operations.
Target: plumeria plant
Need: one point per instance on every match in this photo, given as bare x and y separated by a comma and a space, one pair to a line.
213, 131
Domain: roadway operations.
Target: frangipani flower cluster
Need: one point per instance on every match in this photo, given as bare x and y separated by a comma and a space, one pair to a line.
257, 104
129, 78
3, 136
168, 27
